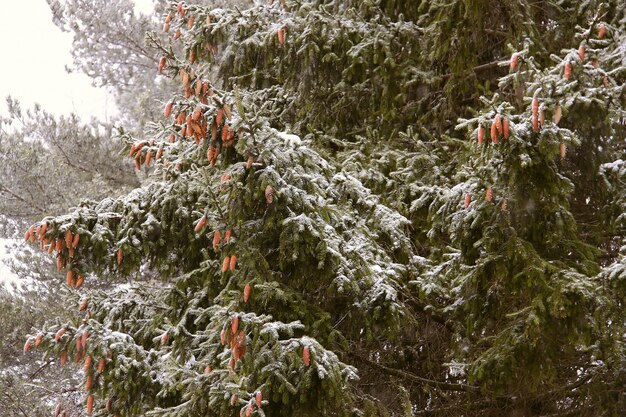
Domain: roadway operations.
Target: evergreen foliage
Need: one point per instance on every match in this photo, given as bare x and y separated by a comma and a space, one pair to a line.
375, 208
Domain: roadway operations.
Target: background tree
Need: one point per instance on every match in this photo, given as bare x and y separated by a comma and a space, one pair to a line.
360, 196
109, 46
47, 163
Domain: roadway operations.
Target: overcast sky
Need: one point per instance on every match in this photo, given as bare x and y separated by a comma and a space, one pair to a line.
34, 56
35, 53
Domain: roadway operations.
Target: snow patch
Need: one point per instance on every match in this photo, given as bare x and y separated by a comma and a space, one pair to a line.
292, 140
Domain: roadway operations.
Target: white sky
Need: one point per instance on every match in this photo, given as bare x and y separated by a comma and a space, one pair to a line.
32, 69
144, 6
34, 57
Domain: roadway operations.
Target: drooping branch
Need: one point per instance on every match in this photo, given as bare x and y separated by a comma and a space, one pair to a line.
446, 386
5, 189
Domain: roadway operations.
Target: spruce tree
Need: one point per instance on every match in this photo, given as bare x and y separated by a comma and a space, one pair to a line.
363, 208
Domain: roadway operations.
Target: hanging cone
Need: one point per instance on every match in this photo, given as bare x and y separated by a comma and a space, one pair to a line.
234, 325
89, 383
481, 135
494, 133
75, 241
211, 153
281, 36
138, 161
101, 364
29, 233
498, 122
514, 61
468, 200
83, 338
90, 405
87, 365
27, 345
246, 293
556, 118
306, 356
200, 225
69, 279
216, 239
148, 158
59, 335
567, 71
535, 123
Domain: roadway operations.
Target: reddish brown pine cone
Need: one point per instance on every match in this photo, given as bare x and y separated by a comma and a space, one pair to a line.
234, 324
246, 293
468, 200
481, 135
306, 356
514, 61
